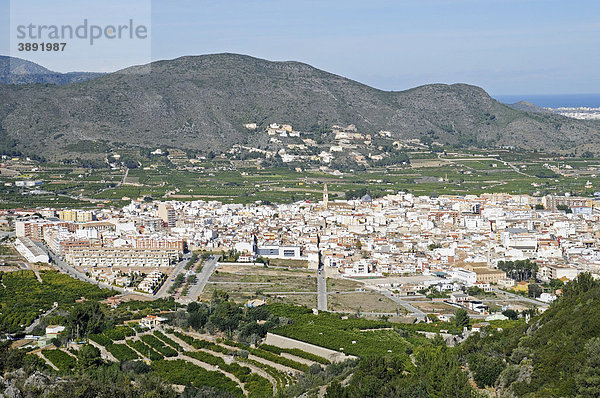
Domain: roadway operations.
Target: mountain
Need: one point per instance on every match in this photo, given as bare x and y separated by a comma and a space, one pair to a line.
19, 71
528, 107
202, 102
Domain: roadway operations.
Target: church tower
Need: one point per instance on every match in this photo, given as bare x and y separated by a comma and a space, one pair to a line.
325, 198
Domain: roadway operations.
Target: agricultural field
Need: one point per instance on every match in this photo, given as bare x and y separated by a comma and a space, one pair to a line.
23, 297
190, 360
355, 336
358, 302
343, 284
63, 361
449, 171
433, 307
244, 282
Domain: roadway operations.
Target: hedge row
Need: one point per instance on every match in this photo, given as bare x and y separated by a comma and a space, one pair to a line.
269, 356
187, 374
167, 340
145, 350
281, 378
60, 359
121, 352
257, 386
158, 345
296, 352
196, 343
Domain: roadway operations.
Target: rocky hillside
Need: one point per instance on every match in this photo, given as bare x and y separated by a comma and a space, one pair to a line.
202, 102
19, 71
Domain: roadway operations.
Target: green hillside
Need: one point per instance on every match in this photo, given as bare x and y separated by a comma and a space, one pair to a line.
555, 355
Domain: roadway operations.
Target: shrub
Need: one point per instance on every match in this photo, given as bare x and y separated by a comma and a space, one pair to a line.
60, 359
297, 352
269, 356
188, 374
121, 352
159, 345
167, 340
144, 349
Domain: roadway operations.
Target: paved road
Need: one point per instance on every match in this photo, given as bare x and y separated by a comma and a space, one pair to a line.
521, 298
208, 267
321, 290
74, 273
30, 328
4, 234
124, 177
177, 269
66, 268
414, 311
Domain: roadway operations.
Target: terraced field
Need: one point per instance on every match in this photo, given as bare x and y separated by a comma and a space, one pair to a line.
233, 367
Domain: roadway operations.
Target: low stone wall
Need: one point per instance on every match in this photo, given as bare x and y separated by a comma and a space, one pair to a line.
286, 342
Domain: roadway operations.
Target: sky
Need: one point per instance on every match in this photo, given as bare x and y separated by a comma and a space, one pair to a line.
504, 46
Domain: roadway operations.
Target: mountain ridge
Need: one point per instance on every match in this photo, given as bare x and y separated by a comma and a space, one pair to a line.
201, 103
19, 71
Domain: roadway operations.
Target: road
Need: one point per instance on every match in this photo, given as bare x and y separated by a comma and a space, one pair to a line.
516, 170
5, 234
521, 298
30, 328
177, 269
124, 177
321, 290
208, 267
74, 273
414, 311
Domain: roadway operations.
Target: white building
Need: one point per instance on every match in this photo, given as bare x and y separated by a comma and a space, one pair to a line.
468, 278
30, 251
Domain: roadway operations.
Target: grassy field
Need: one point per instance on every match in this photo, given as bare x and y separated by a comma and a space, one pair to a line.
361, 302
244, 282
339, 284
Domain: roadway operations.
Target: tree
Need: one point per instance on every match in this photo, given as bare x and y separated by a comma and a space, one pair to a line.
511, 314
475, 291
335, 390
534, 290
582, 284
226, 316
519, 270
198, 315
461, 318
485, 369
588, 378
556, 284
219, 296
88, 356
86, 318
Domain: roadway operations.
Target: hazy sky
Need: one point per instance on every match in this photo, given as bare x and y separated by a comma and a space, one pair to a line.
505, 46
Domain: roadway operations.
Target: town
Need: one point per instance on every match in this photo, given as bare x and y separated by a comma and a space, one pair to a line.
415, 257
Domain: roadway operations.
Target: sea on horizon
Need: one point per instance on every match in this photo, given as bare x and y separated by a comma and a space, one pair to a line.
554, 100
